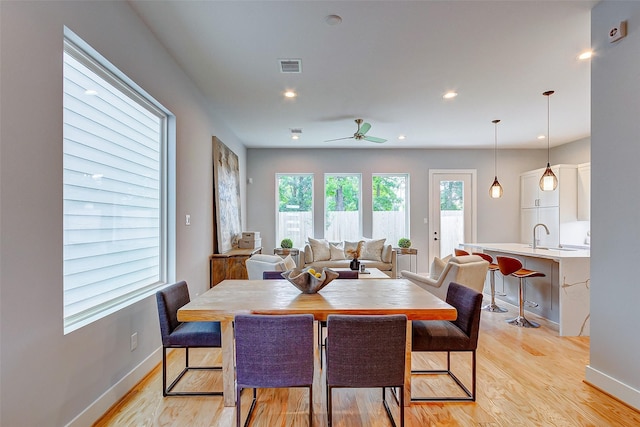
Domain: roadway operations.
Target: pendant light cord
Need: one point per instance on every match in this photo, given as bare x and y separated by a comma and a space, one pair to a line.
548, 95
495, 150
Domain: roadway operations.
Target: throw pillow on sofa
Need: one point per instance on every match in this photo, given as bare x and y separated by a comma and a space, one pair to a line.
320, 249
373, 249
337, 251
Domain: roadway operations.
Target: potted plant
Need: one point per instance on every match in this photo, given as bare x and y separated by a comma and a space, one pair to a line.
286, 243
404, 243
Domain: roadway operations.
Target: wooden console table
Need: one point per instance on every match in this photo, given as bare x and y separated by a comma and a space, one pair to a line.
229, 265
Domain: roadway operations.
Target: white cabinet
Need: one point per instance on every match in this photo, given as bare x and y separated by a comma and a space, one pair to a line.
584, 192
531, 196
551, 208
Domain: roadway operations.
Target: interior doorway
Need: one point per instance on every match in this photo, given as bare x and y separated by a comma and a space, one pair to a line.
452, 210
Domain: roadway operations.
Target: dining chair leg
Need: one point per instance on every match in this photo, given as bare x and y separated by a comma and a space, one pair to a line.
329, 411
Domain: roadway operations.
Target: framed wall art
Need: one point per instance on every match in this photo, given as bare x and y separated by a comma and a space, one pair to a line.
226, 197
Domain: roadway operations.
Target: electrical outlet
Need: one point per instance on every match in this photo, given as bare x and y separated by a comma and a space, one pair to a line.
134, 341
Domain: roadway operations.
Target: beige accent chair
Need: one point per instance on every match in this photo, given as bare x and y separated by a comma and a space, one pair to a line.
467, 270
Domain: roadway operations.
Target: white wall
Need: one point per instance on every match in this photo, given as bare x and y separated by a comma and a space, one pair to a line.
47, 378
574, 153
615, 202
498, 220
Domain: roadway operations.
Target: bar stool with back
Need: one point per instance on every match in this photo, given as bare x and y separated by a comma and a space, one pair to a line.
512, 266
492, 306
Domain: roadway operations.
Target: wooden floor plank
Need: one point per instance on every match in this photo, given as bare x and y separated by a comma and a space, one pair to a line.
526, 377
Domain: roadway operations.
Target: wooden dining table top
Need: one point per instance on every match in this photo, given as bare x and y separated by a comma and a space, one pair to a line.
341, 296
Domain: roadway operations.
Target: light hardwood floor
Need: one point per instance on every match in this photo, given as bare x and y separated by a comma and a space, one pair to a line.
525, 377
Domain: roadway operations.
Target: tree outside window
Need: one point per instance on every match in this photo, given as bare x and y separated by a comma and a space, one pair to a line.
390, 207
343, 217
294, 219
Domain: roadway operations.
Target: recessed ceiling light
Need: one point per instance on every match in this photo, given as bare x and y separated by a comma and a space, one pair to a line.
290, 94
295, 133
333, 19
541, 137
401, 137
586, 55
450, 95
91, 92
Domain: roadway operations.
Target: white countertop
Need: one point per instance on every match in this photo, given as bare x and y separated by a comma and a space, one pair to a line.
527, 250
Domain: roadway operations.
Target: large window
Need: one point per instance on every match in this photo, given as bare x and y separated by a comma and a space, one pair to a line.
390, 198
294, 218
114, 189
342, 200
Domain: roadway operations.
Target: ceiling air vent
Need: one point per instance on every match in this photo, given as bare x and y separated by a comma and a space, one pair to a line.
290, 65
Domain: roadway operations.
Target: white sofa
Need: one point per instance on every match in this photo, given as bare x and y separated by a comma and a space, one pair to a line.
320, 253
468, 270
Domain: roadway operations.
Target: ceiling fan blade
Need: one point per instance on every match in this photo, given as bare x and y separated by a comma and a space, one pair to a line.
374, 139
364, 128
339, 139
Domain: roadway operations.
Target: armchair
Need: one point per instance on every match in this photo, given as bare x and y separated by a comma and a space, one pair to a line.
467, 270
259, 263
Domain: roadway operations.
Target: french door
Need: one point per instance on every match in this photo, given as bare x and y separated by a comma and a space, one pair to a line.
452, 210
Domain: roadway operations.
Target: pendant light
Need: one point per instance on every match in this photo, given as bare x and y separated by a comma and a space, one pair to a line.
496, 189
548, 181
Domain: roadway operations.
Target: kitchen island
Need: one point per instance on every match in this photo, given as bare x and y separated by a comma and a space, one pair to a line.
562, 296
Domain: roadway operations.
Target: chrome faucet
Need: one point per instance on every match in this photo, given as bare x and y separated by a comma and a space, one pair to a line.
534, 233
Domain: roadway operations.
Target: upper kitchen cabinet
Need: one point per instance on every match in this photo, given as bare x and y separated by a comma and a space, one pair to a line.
551, 208
584, 192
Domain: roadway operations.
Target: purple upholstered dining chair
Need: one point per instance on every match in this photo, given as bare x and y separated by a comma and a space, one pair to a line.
342, 274
183, 335
366, 352
460, 335
272, 275
273, 351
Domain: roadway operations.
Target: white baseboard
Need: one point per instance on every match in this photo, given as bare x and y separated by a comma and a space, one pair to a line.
110, 397
613, 387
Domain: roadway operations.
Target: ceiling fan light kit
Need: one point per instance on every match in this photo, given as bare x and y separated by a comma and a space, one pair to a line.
548, 181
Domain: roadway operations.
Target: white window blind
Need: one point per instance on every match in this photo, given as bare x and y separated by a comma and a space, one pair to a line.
113, 189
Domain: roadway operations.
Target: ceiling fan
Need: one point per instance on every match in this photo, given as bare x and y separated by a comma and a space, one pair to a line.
361, 133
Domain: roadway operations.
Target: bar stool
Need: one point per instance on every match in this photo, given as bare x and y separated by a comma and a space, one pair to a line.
492, 307
511, 266
460, 252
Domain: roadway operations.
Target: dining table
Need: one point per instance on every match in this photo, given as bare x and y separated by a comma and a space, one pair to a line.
342, 296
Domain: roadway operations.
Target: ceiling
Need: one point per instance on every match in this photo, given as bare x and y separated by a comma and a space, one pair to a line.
389, 63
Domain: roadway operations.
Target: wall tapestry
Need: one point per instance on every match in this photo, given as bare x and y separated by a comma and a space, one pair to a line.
226, 196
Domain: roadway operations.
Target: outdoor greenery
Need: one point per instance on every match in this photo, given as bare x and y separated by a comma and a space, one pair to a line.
342, 193
342, 206
295, 193
451, 196
387, 193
